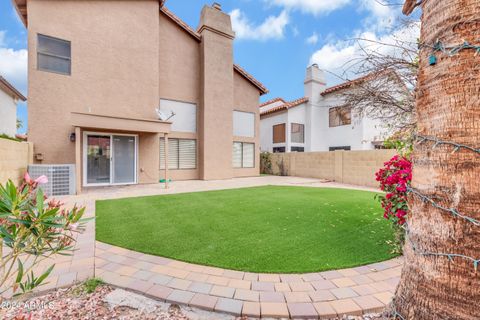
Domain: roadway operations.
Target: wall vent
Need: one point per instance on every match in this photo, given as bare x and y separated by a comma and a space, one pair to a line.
61, 178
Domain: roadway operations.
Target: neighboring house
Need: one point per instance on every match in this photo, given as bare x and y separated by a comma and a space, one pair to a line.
318, 121
9, 97
98, 70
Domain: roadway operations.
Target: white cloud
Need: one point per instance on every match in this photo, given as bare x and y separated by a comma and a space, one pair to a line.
311, 6
340, 58
13, 64
272, 28
381, 15
313, 39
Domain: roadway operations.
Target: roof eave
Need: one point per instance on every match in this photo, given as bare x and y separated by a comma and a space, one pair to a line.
21, 8
12, 90
263, 90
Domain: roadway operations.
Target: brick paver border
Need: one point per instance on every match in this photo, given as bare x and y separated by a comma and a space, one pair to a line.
320, 295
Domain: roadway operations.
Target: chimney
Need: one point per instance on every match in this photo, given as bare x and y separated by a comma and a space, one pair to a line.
315, 83
216, 104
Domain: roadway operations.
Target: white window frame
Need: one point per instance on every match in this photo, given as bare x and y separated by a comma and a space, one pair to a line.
241, 157
69, 59
162, 163
85, 160
246, 115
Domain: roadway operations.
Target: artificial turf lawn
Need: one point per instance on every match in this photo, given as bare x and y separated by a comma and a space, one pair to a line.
261, 229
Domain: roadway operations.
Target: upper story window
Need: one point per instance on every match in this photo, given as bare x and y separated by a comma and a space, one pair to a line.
243, 124
183, 115
53, 55
298, 133
279, 133
340, 116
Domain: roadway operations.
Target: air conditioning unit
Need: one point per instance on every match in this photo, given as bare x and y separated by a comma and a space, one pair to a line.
61, 178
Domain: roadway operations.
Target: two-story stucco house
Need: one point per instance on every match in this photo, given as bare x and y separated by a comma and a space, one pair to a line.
319, 121
98, 70
9, 97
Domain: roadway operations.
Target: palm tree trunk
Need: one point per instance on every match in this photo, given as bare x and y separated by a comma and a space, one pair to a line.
439, 279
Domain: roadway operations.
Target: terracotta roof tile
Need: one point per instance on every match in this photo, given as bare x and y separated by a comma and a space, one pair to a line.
249, 77
350, 83
180, 23
7, 87
286, 106
266, 103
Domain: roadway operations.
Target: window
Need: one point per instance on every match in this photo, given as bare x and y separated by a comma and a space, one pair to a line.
243, 155
340, 116
298, 133
278, 149
243, 124
182, 154
346, 148
298, 149
183, 115
279, 133
53, 55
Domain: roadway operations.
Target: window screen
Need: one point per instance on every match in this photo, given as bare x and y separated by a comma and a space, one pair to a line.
243, 155
279, 133
340, 116
182, 154
53, 55
243, 124
298, 133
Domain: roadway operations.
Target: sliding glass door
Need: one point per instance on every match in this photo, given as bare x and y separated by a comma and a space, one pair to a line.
123, 159
110, 159
98, 159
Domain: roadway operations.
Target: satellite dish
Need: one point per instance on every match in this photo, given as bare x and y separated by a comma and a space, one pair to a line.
163, 116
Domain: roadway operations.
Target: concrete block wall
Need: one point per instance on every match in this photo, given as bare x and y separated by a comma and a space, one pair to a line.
350, 167
14, 159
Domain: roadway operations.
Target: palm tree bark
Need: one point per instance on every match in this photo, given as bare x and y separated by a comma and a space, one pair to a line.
434, 285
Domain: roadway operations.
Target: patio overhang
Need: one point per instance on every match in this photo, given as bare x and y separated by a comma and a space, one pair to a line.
104, 122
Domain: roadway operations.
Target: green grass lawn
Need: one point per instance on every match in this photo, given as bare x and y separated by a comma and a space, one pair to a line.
261, 229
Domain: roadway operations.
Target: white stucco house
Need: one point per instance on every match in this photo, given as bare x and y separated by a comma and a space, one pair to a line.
9, 97
318, 121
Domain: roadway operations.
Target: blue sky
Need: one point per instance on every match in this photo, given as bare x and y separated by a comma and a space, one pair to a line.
276, 39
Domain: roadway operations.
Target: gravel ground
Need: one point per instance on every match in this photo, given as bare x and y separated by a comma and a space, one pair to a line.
107, 303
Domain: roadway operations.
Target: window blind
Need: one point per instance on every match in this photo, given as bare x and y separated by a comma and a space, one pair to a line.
243, 155
182, 154
237, 154
248, 155
187, 154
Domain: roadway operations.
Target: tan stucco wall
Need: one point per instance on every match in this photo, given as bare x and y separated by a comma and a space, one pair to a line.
351, 167
114, 67
217, 97
179, 63
16, 156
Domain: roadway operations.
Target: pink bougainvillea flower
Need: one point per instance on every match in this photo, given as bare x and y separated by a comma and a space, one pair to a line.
41, 180
27, 178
